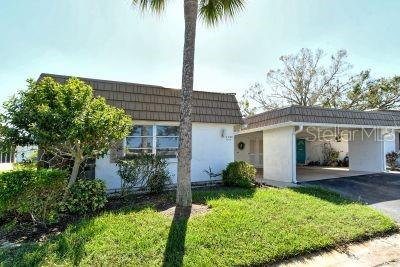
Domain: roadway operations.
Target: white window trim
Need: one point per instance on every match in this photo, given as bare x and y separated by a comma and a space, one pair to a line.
154, 136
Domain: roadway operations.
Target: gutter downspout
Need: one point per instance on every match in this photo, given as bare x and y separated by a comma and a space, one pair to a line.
294, 174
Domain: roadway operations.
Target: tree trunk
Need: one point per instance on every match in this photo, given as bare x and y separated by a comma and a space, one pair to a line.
184, 192
75, 171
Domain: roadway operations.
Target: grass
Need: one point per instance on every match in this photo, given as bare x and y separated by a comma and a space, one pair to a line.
244, 227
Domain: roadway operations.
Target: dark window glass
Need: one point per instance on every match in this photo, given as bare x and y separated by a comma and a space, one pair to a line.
167, 142
6, 157
142, 130
139, 142
167, 131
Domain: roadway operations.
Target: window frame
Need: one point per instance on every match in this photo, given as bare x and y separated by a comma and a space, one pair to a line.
9, 156
154, 149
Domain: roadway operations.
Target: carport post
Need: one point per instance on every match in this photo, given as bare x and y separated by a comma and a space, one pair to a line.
294, 152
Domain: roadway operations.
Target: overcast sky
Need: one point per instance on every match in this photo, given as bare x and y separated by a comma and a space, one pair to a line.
110, 39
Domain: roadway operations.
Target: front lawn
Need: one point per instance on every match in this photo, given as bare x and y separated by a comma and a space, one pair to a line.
243, 227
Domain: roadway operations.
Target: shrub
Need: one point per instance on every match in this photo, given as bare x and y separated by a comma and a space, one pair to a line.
331, 156
86, 196
144, 171
36, 193
391, 160
157, 182
239, 173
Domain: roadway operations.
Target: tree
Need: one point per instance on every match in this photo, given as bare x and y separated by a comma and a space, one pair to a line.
304, 80
367, 93
64, 120
211, 11
246, 109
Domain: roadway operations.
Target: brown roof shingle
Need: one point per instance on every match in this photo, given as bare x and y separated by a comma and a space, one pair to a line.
150, 102
324, 115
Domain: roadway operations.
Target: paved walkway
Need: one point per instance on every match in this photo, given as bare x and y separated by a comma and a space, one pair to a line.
377, 252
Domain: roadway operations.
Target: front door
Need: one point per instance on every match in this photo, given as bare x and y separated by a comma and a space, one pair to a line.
300, 151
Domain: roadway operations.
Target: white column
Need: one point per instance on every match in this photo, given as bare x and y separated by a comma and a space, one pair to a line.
279, 158
366, 150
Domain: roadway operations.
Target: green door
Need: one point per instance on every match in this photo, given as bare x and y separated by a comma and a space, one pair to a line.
301, 151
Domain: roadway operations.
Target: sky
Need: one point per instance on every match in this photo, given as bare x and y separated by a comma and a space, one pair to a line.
111, 39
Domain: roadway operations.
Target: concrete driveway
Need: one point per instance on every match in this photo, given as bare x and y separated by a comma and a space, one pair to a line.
381, 191
306, 174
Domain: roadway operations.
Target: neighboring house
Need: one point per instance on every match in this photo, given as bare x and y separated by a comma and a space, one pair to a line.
17, 155
280, 142
155, 113
7, 159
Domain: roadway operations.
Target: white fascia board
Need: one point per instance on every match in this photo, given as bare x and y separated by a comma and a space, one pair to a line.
307, 124
344, 125
252, 130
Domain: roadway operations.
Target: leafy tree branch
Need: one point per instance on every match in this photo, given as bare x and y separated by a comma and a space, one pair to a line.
64, 120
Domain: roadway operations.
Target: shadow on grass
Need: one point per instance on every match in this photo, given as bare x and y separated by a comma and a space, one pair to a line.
175, 248
323, 194
167, 200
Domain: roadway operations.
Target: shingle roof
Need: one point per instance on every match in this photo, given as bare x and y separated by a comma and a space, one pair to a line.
324, 115
156, 103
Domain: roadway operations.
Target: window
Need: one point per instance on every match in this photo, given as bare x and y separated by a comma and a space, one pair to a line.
7, 156
155, 139
140, 140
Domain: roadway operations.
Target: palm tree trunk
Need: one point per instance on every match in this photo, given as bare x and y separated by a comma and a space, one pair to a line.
184, 192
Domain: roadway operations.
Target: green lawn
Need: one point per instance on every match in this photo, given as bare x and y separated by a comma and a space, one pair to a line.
244, 227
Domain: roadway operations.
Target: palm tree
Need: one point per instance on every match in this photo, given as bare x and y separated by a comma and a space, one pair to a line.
211, 11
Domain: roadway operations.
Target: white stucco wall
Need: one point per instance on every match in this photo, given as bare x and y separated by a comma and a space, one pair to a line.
279, 154
390, 143
25, 153
366, 153
314, 150
209, 149
244, 154
6, 166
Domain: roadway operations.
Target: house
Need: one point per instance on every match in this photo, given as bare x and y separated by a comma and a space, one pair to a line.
15, 155
281, 143
155, 113
7, 159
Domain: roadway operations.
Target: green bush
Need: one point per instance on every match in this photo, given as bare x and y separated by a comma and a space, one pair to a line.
239, 173
145, 171
36, 193
86, 196
331, 156
158, 181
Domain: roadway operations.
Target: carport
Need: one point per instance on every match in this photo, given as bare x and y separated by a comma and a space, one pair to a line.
286, 144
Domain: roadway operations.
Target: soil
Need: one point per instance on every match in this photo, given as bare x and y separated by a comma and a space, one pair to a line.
195, 210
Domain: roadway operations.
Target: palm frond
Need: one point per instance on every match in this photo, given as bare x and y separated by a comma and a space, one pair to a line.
156, 6
213, 11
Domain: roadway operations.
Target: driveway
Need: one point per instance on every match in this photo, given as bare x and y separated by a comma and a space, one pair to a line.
381, 191
306, 174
